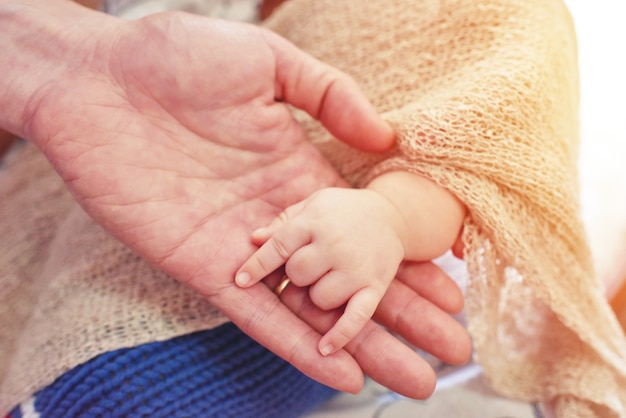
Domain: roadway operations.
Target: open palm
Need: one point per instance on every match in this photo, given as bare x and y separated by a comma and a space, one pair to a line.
172, 132
181, 148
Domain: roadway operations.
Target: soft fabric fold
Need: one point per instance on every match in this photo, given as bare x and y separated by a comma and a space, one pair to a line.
484, 98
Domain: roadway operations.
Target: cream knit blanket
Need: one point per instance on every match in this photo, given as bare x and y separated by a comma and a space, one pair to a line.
483, 95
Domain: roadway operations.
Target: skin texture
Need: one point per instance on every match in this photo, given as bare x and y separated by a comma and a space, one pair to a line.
347, 244
172, 132
340, 242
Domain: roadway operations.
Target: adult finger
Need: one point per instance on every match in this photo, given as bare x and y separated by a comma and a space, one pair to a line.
381, 356
330, 96
261, 315
424, 325
433, 284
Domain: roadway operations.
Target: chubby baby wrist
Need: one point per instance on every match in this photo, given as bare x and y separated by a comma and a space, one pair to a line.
394, 218
433, 215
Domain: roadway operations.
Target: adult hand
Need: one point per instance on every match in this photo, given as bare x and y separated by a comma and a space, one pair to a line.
172, 133
417, 307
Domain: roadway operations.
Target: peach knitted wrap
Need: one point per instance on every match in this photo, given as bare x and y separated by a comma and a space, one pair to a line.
484, 98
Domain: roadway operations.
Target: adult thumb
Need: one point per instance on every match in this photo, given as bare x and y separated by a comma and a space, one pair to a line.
328, 95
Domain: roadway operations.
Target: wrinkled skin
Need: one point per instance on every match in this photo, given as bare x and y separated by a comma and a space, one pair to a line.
173, 134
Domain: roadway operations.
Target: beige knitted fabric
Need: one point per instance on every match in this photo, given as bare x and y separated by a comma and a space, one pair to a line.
484, 97
69, 291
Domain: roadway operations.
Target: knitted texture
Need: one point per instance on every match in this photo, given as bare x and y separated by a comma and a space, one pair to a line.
240, 10
69, 290
483, 95
484, 98
218, 373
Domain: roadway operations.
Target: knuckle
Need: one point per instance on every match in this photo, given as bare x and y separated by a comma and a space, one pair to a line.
263, 263
322, 300
344, 333
280, 247
357, 316
296, 275
350, 324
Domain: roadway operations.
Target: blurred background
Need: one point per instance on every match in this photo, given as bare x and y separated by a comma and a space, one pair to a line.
601, 29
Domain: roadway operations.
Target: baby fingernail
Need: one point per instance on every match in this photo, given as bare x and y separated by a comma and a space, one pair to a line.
242, 278
327, 349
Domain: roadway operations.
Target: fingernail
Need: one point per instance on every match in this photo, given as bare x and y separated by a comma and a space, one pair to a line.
242, 278
327, 349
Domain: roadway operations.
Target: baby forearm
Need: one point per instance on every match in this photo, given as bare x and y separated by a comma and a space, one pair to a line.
433, 216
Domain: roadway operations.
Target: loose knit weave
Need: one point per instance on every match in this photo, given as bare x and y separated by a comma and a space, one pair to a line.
219, 373
484, 97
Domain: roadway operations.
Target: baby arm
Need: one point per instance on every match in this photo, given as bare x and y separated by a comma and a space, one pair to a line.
432, 214
347, 244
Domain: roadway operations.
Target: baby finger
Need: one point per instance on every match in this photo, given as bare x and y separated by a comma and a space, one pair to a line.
358, 312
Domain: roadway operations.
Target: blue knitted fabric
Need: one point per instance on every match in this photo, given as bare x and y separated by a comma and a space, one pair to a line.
215, 373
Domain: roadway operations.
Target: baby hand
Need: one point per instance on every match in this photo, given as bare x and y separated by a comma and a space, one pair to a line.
345, 243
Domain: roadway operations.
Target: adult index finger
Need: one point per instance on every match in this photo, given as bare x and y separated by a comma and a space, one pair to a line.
261, 315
